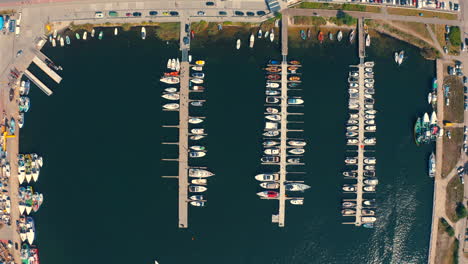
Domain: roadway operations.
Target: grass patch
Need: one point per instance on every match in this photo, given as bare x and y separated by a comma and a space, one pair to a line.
419, 28
168, 31
415, 12
454, 199
309, 20
347, 7
451, 148
198, 27
454, 36
454, 112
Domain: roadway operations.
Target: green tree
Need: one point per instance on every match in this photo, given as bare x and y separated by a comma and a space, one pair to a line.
454, 36
461, 211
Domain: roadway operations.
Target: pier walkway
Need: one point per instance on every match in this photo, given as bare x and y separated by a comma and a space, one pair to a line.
37, 82
283, 139
361, 41
360, 150
52, 74
183, 144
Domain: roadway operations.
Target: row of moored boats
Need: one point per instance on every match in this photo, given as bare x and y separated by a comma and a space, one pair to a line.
55, 38
269, 34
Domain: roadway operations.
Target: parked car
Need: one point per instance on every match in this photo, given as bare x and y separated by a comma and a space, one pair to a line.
222, 13
239, 13
186, 40
136, 14
210, 3
128, 14
174, 13
261, 13
465, 80
98, 15
250, 14
113, 13
187, 28
153, 13
200, 13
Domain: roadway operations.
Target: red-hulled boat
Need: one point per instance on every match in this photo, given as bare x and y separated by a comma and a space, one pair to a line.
320, 36
34, 255
294, 62
273, 77
192, 34
268, 194
174, 73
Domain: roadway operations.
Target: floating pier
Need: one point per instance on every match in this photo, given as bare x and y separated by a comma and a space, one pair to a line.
39, 84
52, 74
361, 40
183, 143
283, 139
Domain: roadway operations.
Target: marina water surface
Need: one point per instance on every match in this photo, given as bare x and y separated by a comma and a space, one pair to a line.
100, 135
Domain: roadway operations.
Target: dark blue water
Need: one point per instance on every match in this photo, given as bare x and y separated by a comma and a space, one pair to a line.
100, 135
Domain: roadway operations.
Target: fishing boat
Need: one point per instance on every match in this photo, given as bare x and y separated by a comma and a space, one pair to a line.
272, 35
295, 101
143, 33
294, 187
272, 85
417, 131
67, 40
101, 34
297, 151
195, 188
432, 165
352, 35
197, 81
272, 133
197, 203
303, 35
77, 35
92, 33
195, 120
270, 143
197, 131
320, 37
252, 41
85, 35
200, 62
267, 177
238, 44
171, 106
270, 185
368, 40
170, 80
200, 173
259, 34
270, 159
339, 36
273, 117
199, 181
196, 103
116, 31
297, 143
268, 194
171, 96
297, 201
197, 154
273, 77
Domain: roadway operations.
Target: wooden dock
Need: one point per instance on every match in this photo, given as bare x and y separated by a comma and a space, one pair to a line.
283, 143
361, 40
360, 150
183, 143
37, 82
43, 66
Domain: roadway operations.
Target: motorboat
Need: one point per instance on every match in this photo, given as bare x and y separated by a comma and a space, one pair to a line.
170, 80
196, 188
198, 148
370, 160
370, 128
272, 133
369, 202
85, 35
432, 163
196, 137
371, 181
297, 201
351, 161
272, 151
368, 219
370, 141
350, 174
270, 185
295, 62
197, 88
295, 101
273, 77
272, 92
330, 36
354, 74
196, 103
195, 120
369, 173
369, 188
369, 64
197, 80
369, 85
54, 43
272, 85
369, 80
353, 85
367, 212
352, 128
199, 181
369, 75
371, 112
270, 143
349, 188
297, 151
238, 44
353, 122
353, 116
171, 90
197, 68
368, 69
297, 143
197, 131
272, 35
171, 96
197, 203
401, 57
251, 41
294, 78
348, 212
200, 173
172, 106
369, 122
353, 90
369, 91
351, 134
294, 160
101, 34
116, 31
270, 159
275, 117
273, 69
197, 154
352, 141
369, 167
259, 34
200, 62
199, 75
268, 194
272, 110
267, 177
272, 100
293, 84
339, 36
293, 187
143, 33
348, 205
368, 116
267, 33
368, 40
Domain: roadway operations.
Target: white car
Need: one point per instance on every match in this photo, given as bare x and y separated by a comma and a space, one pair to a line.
98, 15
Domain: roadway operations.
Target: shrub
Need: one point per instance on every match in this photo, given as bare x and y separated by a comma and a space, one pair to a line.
461, 211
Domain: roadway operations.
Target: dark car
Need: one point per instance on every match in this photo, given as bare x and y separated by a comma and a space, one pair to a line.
174, 13
222, 13
261, 13
209, 3
250, 14
239, 13
465, 89
465, 80
153, 13
137, 14
186, 40
187, 28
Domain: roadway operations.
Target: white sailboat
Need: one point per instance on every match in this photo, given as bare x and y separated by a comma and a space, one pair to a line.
238, 44
62, 42
252, 41
177, 65
169, 63
85, 35
92, 33
272, 35
30, 236
143, 33
28, 209
54, 43
21, 208
116, 31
